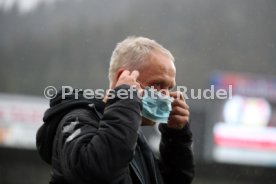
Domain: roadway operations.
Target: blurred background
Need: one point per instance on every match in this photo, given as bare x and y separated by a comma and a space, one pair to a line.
215, 42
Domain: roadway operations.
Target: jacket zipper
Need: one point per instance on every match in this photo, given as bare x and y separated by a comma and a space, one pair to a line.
98, 115
136, 170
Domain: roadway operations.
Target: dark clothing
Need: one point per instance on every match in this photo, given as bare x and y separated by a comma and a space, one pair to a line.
88, 141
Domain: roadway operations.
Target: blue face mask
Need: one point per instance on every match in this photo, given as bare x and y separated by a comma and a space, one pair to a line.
156, 106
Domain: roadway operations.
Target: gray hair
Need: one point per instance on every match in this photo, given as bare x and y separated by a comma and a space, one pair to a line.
132, 52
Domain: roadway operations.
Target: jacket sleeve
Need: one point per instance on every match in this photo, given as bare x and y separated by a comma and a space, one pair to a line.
98, 150
176, 156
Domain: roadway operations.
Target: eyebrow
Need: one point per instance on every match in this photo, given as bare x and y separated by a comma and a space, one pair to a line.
161, 81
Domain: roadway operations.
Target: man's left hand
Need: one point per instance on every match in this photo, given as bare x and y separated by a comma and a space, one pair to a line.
179, 115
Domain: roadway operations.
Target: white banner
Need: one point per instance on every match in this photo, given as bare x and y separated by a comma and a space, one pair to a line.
20, 117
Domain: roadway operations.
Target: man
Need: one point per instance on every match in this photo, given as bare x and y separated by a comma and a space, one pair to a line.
99, 141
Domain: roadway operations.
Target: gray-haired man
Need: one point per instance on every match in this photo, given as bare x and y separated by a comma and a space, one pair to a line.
99, 141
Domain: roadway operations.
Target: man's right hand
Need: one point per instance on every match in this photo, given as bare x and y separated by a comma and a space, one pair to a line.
129, 78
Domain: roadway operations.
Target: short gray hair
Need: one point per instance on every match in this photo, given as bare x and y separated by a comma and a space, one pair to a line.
132, 52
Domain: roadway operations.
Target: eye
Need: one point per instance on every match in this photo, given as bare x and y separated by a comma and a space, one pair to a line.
157, 85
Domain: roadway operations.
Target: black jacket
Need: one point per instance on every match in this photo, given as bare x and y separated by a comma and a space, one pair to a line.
90, 142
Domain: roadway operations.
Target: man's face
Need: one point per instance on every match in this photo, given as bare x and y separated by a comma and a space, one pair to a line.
159, 72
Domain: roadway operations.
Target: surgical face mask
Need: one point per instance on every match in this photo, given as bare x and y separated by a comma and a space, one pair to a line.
156, 106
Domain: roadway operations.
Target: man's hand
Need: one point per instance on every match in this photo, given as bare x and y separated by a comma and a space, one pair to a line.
129, 78
179, 115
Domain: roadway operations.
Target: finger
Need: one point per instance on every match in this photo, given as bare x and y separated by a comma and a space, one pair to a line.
177, 95
134, 74
106, 95
179, 111
125, 73
136, 85
180, 103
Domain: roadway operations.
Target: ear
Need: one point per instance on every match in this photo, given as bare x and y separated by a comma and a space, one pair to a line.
117, 76
118, 73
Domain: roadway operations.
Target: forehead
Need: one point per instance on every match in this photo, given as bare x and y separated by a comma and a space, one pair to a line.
159, 67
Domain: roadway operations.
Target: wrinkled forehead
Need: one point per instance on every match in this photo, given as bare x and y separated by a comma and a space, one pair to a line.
162, 63
159, 68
